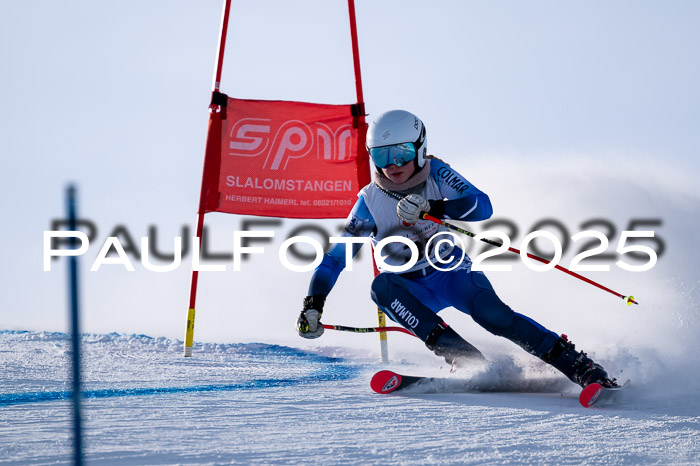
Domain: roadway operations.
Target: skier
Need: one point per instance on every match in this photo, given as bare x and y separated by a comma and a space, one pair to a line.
408, 183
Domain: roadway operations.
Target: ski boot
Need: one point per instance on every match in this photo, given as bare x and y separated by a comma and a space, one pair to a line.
577, 366
445, 342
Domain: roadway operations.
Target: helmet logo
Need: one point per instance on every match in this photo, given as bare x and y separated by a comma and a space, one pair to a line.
415, 122
386, 134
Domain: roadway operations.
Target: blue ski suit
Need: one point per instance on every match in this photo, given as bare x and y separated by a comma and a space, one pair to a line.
414, 297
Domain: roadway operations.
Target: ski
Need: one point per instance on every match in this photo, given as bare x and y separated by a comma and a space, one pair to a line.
595, 393
385, 382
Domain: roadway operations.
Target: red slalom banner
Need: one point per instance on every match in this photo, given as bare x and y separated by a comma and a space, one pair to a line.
286, 159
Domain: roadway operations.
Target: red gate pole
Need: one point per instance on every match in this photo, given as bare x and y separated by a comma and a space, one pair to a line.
222, 45
356, 60
362, 132
213, 143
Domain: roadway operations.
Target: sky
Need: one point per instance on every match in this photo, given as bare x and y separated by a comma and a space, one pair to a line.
572, 111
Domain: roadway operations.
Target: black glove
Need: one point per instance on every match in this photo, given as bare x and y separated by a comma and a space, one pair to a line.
309, 322
437, 208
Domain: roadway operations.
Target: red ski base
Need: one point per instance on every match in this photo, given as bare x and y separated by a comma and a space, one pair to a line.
595, 392
385, 382
589, 395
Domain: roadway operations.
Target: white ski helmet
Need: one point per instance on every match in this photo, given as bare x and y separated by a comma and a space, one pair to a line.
397, 127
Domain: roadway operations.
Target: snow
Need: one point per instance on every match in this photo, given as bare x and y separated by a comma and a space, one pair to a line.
259, 403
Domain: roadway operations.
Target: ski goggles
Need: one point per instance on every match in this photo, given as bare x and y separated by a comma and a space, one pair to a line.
397, 154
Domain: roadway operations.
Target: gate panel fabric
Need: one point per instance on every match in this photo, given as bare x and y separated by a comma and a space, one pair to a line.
286, 159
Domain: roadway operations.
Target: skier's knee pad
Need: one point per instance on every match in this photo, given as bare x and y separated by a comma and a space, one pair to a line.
390, 293
379, 290
387, 287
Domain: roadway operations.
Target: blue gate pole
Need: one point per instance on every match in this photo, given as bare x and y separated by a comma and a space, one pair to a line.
75, 328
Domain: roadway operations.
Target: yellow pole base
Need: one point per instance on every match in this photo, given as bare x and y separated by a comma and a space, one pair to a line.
383, 343
189, 333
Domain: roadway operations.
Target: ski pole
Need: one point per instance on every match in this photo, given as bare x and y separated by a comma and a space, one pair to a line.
367, 329
628, 299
